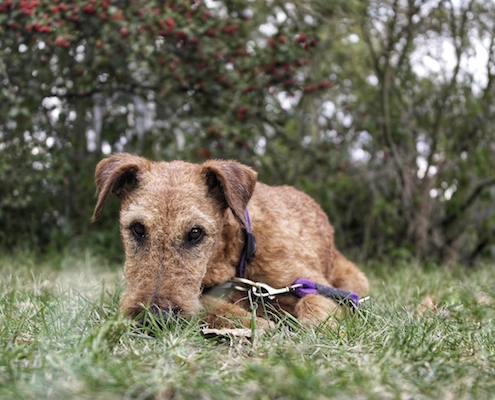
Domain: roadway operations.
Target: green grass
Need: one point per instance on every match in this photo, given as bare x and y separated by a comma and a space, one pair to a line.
62, 337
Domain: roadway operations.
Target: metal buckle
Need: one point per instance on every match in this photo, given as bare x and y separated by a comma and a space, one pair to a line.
261, 290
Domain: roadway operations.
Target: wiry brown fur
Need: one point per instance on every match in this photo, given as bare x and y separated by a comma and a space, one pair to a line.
293, 235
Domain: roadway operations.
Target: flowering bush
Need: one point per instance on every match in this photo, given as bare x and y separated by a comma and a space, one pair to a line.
182, 58
163, 78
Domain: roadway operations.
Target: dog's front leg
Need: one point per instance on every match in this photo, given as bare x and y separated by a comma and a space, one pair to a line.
314, 309
223, 314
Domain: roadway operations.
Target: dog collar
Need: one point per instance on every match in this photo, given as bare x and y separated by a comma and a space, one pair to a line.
249, 247
247, 255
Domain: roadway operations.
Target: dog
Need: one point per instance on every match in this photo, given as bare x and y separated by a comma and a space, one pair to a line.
188, 228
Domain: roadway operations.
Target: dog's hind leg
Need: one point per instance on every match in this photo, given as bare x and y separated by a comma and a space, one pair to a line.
346, 275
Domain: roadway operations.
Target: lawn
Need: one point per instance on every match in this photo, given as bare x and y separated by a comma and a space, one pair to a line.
425, 333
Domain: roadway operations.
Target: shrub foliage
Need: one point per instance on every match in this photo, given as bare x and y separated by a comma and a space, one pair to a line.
380, 110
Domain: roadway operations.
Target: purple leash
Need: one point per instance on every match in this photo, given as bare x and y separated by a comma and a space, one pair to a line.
339, 295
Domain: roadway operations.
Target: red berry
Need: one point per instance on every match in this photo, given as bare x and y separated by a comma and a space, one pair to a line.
170, 22
61, 42
89, 9
124, 32
301, 37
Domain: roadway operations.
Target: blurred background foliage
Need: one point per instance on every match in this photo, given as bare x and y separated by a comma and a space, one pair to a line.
381, 110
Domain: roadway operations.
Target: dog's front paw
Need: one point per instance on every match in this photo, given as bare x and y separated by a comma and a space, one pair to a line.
221, 314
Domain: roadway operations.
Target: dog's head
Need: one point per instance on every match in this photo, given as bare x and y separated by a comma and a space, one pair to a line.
171, 220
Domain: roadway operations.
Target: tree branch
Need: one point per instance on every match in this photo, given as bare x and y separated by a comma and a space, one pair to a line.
450, 218
442, 102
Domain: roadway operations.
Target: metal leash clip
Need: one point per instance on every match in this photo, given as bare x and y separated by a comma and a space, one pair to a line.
262, 290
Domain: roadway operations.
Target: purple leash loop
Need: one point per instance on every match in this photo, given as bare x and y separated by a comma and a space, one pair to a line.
307, 286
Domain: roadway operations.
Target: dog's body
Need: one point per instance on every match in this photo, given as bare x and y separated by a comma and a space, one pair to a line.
183, 227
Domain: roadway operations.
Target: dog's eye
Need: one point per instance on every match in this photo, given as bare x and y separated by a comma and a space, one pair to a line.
195, 235
138, 230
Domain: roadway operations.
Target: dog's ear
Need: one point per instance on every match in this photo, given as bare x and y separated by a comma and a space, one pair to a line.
117, 174
231, 183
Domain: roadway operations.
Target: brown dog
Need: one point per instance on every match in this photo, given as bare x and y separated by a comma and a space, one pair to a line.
184, 230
